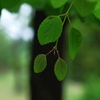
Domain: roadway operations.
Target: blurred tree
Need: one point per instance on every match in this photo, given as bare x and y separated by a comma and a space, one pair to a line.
44, 86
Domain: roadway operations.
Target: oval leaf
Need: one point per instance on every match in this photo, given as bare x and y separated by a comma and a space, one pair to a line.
58, 3
60, 69
40, 63
85, 7
50, 30
75, 39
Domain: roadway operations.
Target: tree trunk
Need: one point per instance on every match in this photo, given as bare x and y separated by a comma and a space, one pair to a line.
44, 86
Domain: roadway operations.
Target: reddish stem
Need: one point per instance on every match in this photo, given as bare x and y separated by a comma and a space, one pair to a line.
50, 52
57, 53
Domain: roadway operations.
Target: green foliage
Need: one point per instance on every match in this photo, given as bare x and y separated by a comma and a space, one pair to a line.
60, 69
50, 30
85, 7
92, 87
49, 10
10, 4
96, 12
58, 3
37, 4
40, 63
75, 39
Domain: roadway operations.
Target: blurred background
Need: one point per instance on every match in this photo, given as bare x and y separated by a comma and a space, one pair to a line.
16, 35
15, 40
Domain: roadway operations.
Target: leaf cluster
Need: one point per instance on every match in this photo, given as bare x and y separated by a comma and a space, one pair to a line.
60, 67
50, 31
51, 28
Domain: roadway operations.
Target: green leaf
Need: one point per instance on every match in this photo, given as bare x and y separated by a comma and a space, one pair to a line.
40, 63
50, 30
96, 12
75, 40
58, 3
60, 69
85, 7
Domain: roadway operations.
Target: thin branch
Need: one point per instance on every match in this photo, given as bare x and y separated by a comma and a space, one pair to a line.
69, 20
50, 52
55, 47
57, 53
69, 7
64, 20
66, 14
62, 15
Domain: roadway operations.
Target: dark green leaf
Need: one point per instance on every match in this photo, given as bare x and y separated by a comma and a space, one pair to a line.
75, 40
85, 7
58, 3
37, 4
49, 10
8, 4
40, 63
50, 30
60, 69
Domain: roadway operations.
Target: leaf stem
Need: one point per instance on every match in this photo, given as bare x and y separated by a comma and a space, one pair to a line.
55, 47
62, 15
69, 8
50, 52
66, 14
64, 20
57, 53
69, 20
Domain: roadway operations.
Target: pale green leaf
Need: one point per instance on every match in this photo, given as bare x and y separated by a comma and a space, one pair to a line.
60, 69
50, 30
40, 63
85, 7
58, 3
75, 40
